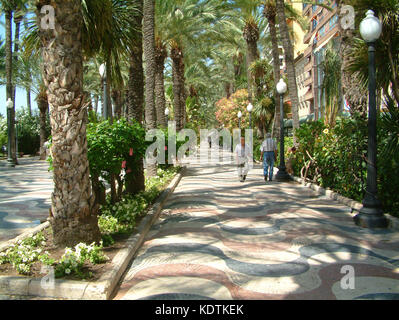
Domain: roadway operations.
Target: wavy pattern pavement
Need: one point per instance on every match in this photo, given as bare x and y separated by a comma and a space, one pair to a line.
25, 193
218, 238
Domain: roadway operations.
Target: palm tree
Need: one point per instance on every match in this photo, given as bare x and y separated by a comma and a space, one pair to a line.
136, 181
289, 61
251, 33
8, 6
270, 13
161, 54
73, 214
149, 54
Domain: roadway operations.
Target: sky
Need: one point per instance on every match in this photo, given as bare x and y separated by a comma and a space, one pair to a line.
20, 93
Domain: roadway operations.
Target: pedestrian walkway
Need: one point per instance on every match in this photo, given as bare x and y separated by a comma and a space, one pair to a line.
25, 193
218, 238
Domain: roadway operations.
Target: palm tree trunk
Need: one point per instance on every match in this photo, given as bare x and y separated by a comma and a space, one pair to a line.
135, 182
289, 61
160, 56
29, 101
73, 214
42, 103
270, 13
17, 22
9, 85
149, 53
178, 85
251, 36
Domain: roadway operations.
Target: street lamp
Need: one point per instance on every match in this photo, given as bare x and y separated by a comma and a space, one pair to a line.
10, 160
249, 109
371, 214
239, 115
282, 174
103, 74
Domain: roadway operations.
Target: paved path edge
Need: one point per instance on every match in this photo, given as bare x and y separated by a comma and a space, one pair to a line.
83, 290
393, 222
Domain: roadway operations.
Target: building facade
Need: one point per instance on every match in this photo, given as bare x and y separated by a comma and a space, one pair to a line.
309, 55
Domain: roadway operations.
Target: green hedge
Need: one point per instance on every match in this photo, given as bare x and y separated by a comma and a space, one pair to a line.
339, 159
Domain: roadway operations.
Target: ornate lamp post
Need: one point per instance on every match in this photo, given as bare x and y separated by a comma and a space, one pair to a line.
371, 215
103, 74
239, 115
282, 174
10, 161
249, 109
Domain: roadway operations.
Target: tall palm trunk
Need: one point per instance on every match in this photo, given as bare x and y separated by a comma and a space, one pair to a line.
73, 214
351, 87
17, 22
29, 100
135, 182
117, 97
42, 103
149, 53
270, 13
251, 36
160, 56
289, 61
9, 85
179, 94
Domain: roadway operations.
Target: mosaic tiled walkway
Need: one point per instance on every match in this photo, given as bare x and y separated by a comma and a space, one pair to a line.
218, 238
25, 193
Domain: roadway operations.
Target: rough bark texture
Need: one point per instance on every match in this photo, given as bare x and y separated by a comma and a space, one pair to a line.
251, 36
160, 56
42, 104
289, 61
136, 182
355, 94
17, 22
179, 94
117, 97
29, 100
9, 85
270, 14
73, 214
149, 54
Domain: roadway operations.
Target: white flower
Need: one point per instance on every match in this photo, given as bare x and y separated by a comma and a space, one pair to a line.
67, 271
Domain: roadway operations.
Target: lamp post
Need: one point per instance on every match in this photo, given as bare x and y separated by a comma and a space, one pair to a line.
371, 214
282, 174
10, 161
167, 115
239, 115
103, 74
250, 107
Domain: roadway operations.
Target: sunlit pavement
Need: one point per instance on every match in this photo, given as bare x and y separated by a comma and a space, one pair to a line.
25, 193
218, 238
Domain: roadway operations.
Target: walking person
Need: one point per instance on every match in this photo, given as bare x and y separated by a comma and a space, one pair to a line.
268, 156
242, 153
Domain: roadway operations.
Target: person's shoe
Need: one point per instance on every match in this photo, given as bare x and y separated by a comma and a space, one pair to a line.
265, 178
270, 179
244, 178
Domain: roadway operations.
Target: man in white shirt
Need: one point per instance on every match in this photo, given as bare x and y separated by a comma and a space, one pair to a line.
242, 153
268, 156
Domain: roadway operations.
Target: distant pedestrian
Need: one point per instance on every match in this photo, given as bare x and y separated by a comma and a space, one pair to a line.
268, 156
242, 153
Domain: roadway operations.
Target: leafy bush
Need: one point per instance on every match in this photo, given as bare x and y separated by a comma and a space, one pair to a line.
28, 131
337, 156
3, 133
109, 145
